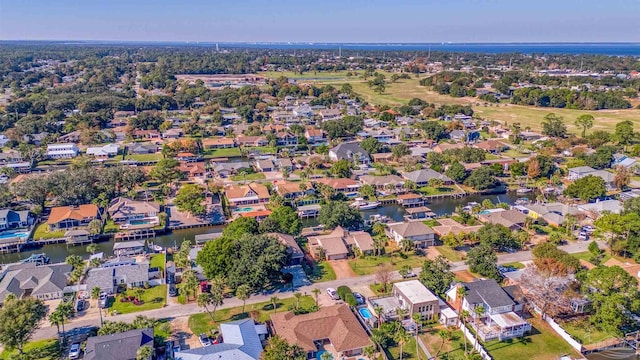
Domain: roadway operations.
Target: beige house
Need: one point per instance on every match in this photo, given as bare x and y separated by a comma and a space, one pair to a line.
417, 232
417, 299
339, 243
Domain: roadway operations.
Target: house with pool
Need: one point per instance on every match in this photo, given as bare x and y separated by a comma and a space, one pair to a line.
73, 216
128, 213
243, 196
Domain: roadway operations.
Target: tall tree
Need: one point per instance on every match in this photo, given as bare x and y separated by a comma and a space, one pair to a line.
19, 319
243, 293
278, 348
436, 275
191, 199
482, 260
553, 125
584, 121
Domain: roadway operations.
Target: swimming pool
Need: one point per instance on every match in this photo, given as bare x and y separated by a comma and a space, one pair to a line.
319, 355
140, 222
365, 313
13, 234
244, 209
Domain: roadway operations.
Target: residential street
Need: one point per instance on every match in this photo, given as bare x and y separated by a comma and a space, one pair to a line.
175, 310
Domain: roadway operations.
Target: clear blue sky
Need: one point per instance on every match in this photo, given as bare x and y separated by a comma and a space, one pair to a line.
322, 20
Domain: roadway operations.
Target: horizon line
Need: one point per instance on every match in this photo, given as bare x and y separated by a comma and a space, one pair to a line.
332, 42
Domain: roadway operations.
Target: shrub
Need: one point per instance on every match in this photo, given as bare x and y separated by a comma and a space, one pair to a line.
350, 299
343, 291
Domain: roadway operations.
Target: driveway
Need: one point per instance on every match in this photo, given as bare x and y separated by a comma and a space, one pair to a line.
342, 269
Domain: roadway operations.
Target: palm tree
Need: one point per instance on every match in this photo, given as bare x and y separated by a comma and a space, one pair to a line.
203, 300
95, 294
369, 351
405, 245
478, 310
378, 310
401, 312
243, 292
144, 353
57, 319
464, 315
298, 296
190, 283
92, 248
316, 292
401, 337
443, 335
138, 292
274, 302
417, 319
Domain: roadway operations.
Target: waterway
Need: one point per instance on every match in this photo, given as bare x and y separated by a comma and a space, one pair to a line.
442, 206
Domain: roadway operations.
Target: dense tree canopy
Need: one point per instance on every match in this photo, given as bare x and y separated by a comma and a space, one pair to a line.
338, 213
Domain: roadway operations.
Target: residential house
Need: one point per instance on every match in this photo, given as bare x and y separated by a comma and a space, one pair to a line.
44, 282
65, 217
416, 299
104, 152
339, 243
315, 135
228, 169
284, 164
218, 143
382, 157
142, 148
594, 210
10, 157
340, 185
499, 319
419, 213
286, 138
492, 146
62, 151
582, 171
449, 226
193, 170
513, 219
442, 147
385, 183
118, 346
553, 213
349, 151
11, 219
332, 328
108, 279
146, 134
129, 248
423, 176
330, 114
252, 141
173, 133
417, 232
458, 135
72, 137
296, 256
627, 162
238, 340
128, 212
410, 200
303, 111
265, 165
290, 190
249, 194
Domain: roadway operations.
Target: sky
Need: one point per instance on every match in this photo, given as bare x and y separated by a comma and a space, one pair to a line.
322, 20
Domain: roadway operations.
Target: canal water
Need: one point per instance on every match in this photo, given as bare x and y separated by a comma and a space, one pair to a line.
443, 206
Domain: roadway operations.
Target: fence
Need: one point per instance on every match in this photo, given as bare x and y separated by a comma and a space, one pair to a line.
563, 334
476, 346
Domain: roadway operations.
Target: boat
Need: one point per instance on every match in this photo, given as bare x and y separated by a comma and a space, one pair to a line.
524, 190
38, 259
156, 248
361, 204
522, 201
378, 218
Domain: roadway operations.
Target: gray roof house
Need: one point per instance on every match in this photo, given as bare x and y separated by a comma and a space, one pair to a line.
582, 171
349, 151
241, 341
108, 279
14, 219
422, 177
44, 282
120, 346
420, 234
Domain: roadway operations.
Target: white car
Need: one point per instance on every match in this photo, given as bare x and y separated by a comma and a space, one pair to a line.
74, 352
333, 294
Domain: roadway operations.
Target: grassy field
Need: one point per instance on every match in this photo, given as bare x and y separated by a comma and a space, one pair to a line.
157, 260
542, 344
228, 152
451, 347
368, 265
408, 351
248, 177
47, 349
430, 190
515, 265
451, 254
42, 232
584, 332
401, 92
321, 272
154, 298
586, 256
201, 323
144, 157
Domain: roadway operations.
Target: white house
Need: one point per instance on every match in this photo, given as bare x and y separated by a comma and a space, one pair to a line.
105, 151
62, 151
420, 234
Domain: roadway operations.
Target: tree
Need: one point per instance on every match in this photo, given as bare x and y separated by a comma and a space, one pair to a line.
401, 337
478, 312
584, 121
547, 293
400, 150
436, 275
66, 311
552, 261
203, 300
166, 171
190, 283
239, 227
498, 237
283, 219
481, 179
95, 294
56, 318
278, 348
341, 168
144, 353
622, 178
482, 260
624, 132
243, 293
191, 199
95, 227
316, 292
456, 172
274, 302
367, 191
371, 145
337, 213
587, 188
93, 248
383, 275
553, 125
19, 319
217, 293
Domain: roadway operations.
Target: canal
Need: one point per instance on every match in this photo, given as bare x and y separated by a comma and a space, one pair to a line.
443, 206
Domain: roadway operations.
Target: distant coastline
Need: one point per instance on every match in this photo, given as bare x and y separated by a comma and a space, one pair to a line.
571, 48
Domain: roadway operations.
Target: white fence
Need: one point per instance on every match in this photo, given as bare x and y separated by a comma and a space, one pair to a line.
563, 334
476, 346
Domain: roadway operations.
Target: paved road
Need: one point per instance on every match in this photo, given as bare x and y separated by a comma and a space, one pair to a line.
176, 310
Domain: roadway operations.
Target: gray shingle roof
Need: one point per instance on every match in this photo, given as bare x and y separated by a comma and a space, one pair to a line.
240, 342
121, 346
38, 280
488, 292
346, 150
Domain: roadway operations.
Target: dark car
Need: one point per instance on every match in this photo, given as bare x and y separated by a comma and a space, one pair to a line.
80, 305
173, 292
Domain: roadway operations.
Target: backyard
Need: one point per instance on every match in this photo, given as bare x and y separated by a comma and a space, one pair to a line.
451, 346
157, 261
369, 264
451, 254
585, 332
47, 349
201, 323
321, 272
153, 298
542, 344
42, 232
408, 351
248, 177
228, 152
144, 157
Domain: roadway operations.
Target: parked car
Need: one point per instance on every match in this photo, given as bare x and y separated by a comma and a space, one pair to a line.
173, 292
359, 298
583, 236
588, 228
80, 305
102, 301
333, 294
410, 274
204, 340
74, 352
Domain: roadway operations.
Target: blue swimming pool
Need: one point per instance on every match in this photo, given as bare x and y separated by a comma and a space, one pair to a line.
244, 209
366, 314
13, 234
319, 355
140, 222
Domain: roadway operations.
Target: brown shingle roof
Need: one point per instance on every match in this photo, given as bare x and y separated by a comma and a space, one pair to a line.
336, 323
72, 212
338, 183
240, 191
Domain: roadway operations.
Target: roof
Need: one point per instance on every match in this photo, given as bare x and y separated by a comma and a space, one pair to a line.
22, 278
507, 218
290, 242
128, 244
217, 141
415, 291
451, 226
285, 187
346, 150
613, 206
363, 240
412, 228
120, 346
424, 175
72, 212
336, 323
240, 342
488, 292
582, 169
125, 207
508, 319
381, 180
240, 191
339, 183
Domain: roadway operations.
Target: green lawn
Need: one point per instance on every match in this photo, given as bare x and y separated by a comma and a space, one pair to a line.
430, 190
262, 149
586, 256
42, 232
542, 344
110, 227
450, 253
513, 153
144, 157
47, 349
452, 347
516, 265
369, 264
228, 152
321, 272
248, 177
585, 332
154, 298
201, 322
408, 351
157, 260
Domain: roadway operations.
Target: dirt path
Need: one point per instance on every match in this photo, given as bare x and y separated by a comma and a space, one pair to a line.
182, 333
432, 253
342, 269
464, 275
